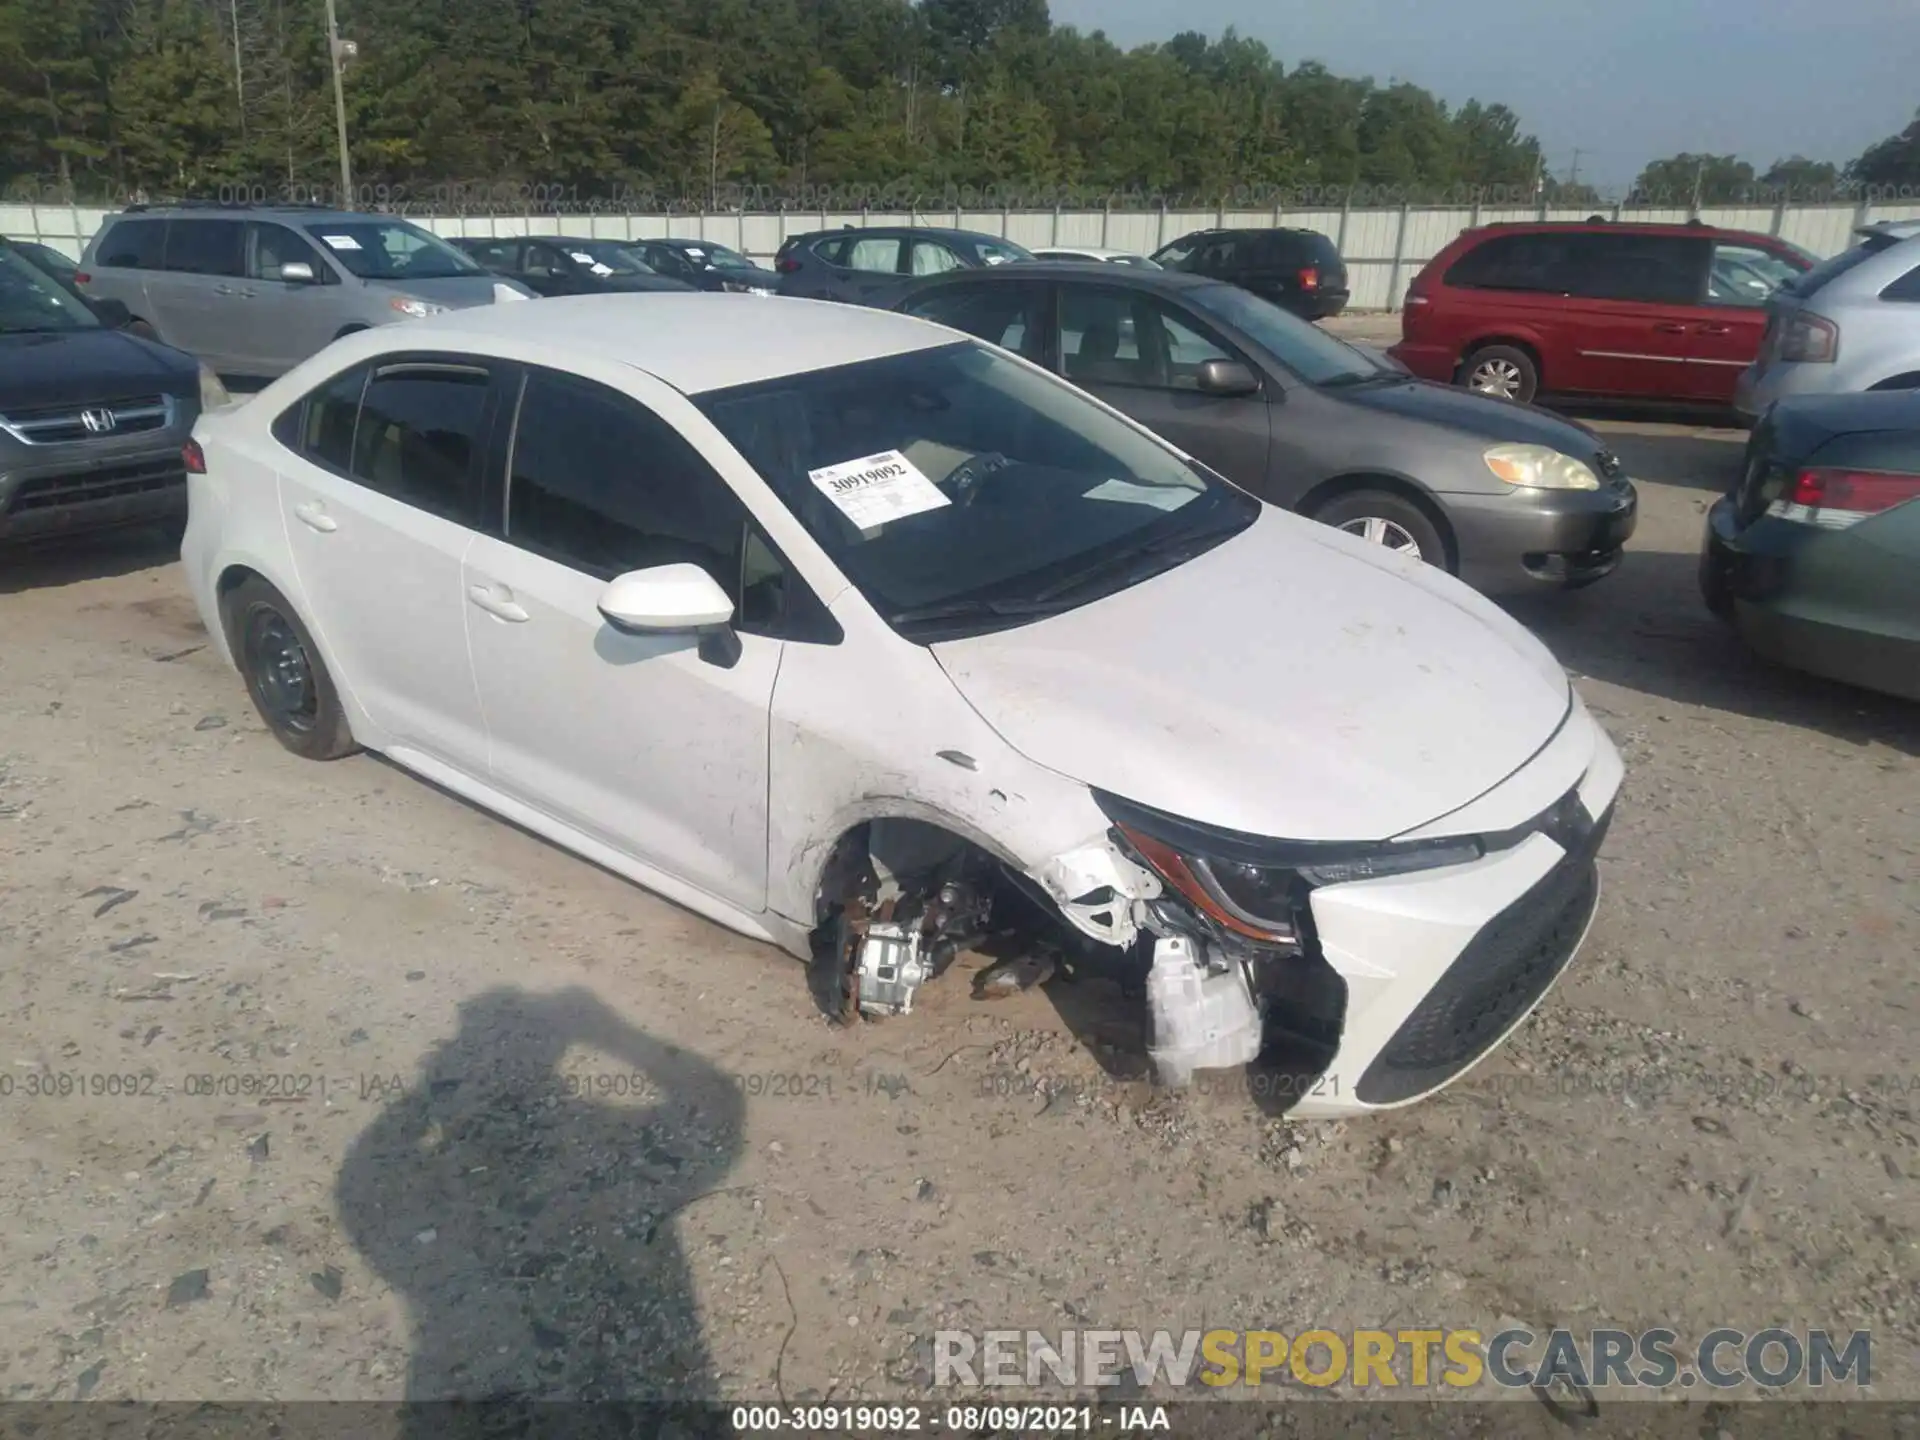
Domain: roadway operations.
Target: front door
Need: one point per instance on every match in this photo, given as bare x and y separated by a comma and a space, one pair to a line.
651, 744
380, 506
283, 322
1141, 354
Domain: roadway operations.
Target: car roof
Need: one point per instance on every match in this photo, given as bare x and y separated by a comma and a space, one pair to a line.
1105, 273
307, 214
693, 340
1682, 228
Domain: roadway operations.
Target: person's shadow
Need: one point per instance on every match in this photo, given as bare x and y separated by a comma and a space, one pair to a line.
525, 1212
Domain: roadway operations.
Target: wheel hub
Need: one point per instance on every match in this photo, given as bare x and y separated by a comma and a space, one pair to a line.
282, 674
1377, 530
1496, 377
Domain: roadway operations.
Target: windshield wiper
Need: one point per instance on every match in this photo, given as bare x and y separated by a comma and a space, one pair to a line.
976, 609
1143, 561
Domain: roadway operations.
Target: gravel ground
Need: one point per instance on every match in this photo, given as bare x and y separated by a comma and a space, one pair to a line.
322, 1084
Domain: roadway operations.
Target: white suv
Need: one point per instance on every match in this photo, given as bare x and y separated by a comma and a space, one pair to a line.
868, 639
1850, 323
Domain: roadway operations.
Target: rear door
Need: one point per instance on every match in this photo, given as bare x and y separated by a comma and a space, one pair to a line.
1507, 287
1731, 320
1140, 353
873, 266
281, 322
196, 295
1630, 307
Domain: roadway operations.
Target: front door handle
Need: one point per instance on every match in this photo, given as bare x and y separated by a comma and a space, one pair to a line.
496, 604
1714, 330
1668, 328
314, 516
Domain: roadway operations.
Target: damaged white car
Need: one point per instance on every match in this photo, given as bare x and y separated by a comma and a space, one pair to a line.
870, 640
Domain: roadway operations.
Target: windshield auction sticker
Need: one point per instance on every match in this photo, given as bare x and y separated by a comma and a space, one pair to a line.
877, 488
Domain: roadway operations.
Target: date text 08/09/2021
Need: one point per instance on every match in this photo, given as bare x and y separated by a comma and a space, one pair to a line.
959, 1419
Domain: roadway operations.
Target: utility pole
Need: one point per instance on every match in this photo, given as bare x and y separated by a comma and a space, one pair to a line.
239, 75
1573, 175
1699, 171
334, 49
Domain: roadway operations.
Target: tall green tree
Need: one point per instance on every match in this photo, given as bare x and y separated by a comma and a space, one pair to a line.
1707, 179
1893, 161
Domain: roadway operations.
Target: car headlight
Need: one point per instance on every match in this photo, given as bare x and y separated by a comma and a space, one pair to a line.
213, 394
416, 309
1254, 886
1540, 467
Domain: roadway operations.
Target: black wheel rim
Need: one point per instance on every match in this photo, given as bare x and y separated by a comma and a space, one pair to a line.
280, 671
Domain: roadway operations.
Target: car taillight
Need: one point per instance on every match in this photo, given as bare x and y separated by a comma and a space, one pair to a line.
1309, 278
1835, 499
1809, 340
81, 277
194, 458
786, 264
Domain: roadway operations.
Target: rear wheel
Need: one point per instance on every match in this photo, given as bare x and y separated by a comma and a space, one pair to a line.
285, 676
1384, 518
1502, 371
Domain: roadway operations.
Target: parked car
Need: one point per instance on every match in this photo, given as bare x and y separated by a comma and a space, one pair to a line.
1502, 494
1629, 312
706, 266
1299, 270
254, 291
651, 626
92, 419
48, 259
567, 265
872, 267
1849, 323
1095, 252
1814, 555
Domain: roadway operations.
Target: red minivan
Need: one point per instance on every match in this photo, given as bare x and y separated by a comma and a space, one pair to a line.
1627, 311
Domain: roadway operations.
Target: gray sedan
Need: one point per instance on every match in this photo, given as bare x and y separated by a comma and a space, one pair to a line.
1500, 493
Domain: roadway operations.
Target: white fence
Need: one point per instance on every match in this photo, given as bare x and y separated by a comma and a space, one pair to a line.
1384, 248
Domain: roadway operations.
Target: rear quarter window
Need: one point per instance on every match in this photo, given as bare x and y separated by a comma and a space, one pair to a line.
133, 245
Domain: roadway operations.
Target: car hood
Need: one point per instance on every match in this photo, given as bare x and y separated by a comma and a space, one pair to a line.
86, 366
1293, 682
1489, 418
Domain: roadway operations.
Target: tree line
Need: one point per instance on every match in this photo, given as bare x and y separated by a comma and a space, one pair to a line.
688, 100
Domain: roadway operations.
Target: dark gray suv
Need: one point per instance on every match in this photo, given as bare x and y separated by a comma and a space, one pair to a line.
874, 266
254, 292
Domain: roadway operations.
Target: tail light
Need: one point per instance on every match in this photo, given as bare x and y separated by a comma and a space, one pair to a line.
1835, 499
194, 458
786, 264
81, 277
1809, 340
1309, 278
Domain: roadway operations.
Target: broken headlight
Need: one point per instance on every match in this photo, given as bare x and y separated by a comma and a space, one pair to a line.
1253, 885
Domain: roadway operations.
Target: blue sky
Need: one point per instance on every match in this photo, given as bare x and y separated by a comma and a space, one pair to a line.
1624, 80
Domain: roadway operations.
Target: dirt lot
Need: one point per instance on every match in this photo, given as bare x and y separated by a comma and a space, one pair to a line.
319, 1083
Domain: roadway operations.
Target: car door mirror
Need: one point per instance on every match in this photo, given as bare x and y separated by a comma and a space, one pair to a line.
111, 313
1226, 377
665, 600
297, 272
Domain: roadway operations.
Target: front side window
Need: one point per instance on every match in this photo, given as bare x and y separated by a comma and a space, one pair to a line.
1305, 349
1746, 275
999, 252
275, 246
33, 302
419, 435
1649, 269
962, 491
495, 254
391, 250
1005, 315
719, 257
930, 257
206, 247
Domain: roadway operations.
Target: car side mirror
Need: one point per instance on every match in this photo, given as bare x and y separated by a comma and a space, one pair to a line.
674, 600
111, 313
297, 272
1226, 377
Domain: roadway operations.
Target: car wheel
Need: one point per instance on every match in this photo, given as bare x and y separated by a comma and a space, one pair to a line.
1383, 518
1503, 371
285, 676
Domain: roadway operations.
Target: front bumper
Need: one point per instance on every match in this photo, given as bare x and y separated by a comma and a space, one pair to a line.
1843, 604
53, 490
1563, 538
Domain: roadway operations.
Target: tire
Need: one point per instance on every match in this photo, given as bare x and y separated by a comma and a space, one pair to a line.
1504, 371
1387, 519
145, 331
286, 678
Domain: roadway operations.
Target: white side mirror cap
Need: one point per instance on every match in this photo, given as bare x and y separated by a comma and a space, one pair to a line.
666, 599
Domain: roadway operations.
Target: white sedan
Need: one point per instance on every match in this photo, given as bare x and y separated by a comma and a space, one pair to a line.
868, 640
1096, 253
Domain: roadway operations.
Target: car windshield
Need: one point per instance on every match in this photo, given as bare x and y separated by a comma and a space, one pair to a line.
33, 302
605, 257
1139, 262
392, 250
1000, 252
962, 491
719, 257
1307, 350
1171, 257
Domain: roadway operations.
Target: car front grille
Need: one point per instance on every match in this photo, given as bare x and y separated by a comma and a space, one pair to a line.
107, 482
66, 424
1503, 971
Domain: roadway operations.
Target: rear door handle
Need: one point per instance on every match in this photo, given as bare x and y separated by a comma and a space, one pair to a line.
497, 604
1669, 328
1714, 330
314, 516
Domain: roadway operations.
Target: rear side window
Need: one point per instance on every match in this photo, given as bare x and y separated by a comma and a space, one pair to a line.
419, 436
1005, 315
833, 249
1653, 269
326, 434
878, 254
1828, 271
206, 247
1907, 287
134, 245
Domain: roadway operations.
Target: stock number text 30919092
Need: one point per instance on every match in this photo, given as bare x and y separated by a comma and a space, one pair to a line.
904, 1419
